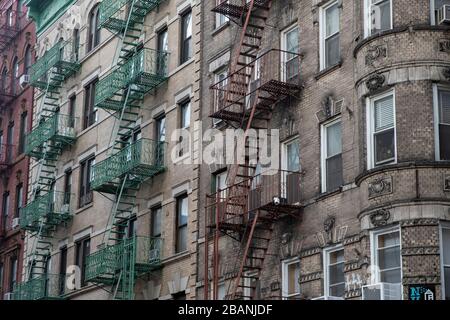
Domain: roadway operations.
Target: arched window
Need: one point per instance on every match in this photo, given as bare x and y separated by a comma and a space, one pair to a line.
4, 80
76, 43
14, 75
27, 59
94, 29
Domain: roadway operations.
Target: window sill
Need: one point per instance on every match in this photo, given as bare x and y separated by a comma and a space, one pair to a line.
328, 70
86, 207
220, 28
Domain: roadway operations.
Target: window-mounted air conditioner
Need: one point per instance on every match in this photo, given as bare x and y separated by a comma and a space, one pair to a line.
15, 223
8, 296
443, 14
24, 80
382, 291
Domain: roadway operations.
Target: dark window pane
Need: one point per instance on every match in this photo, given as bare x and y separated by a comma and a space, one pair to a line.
182, 239
384, 146
444, 141
391, 276
336, 273
447, 282
389, 258
337, 290
334, 172
332, 51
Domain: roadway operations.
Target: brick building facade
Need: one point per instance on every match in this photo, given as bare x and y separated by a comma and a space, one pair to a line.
17, 39
371, 128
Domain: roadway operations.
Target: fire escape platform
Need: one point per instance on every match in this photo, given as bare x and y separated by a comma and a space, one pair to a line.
43, 287
144, 71
10, 26
237, 9
141, 160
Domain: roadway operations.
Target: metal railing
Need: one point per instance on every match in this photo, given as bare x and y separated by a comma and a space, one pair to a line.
9, 88
57, 128
143, 158
273, 70
11, 23
104, 265
63, 56
43, 287
147, 69
53, 207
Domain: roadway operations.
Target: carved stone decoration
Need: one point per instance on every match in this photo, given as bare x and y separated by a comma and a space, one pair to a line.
444, 45
329, 224
423, 222
380, 217
446, 73
420, 251
274, 286
447, 183
285, 238
421, 280
290, 246
375, 82
379, 187
310, 277
375, 53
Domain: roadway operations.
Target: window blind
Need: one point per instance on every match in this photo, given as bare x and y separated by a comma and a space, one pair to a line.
384, 114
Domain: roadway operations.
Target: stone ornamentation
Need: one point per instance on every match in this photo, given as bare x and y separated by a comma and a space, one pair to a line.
375, 82
379, 187
380, 217
310, 277
374, 54
444, 45
446, 73
329, 224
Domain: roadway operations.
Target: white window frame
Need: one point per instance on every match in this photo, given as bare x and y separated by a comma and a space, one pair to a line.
326, 264
248, 282
322, 30
368, 20
284, 277
437, 142
443, 225
217, 74
324, 151
284, 150
283, 45
370, 109
374, 252
220, 19
432, 13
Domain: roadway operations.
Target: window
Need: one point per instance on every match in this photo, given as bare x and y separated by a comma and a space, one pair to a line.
162, 46
291, 155
442, 123
83, 249
4, 81
221, 81
186, 36
290, 273
76, 43
9, 141
5, 209
378, 16
445, 240
67, 186
435, 6
72, 106
85, 182
23, 131
10, 16
90, 112
15, 76
381, 125
185, 114
19, 199
161, 129
156, 219
182, 223
94, 29
28, 60
332, 177
12, 273
387, 257
334, 272
220, 18
1, 276
62, 269
290, 66
330, 27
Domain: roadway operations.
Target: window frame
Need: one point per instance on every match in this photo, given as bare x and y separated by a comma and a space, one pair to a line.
368, 20
6, 207
284, 55
90, 112
326, 266
443, 225
284, 153
19, 200
85, 169
374, 234
437, 118
80, 244
179, 226
220, 19
370, 129
93, 36
153, 212
13, 271
23, 131
184, 38
324, 152
322, 27
285, 278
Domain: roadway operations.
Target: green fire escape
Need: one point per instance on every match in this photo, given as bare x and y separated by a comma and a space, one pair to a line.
137, 71
47, 209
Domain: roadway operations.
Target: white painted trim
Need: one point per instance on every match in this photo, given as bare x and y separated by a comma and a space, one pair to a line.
326, 262
161, 24
284, 277
89, 78
183, 94
82, 234
442, 225
183, 7
283, 46
322, 29
432, 16
323, 150
436, 122
370, 107
367, 18
284, 145
185, 187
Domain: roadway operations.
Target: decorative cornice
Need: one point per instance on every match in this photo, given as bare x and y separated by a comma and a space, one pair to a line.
420, 251
310, 277
380, 186
419, 222
352, 239
310, 252
353, 294
421, 280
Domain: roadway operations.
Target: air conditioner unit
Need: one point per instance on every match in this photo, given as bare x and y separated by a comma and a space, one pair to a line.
328, 298
382, 291
8, 296
15, 223
443, 15
24, 80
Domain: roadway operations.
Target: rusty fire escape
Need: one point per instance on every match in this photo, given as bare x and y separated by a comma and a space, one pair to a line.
257, 80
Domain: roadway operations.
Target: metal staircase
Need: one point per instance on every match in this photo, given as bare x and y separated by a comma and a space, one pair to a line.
122, 258
257, 80
51, 134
